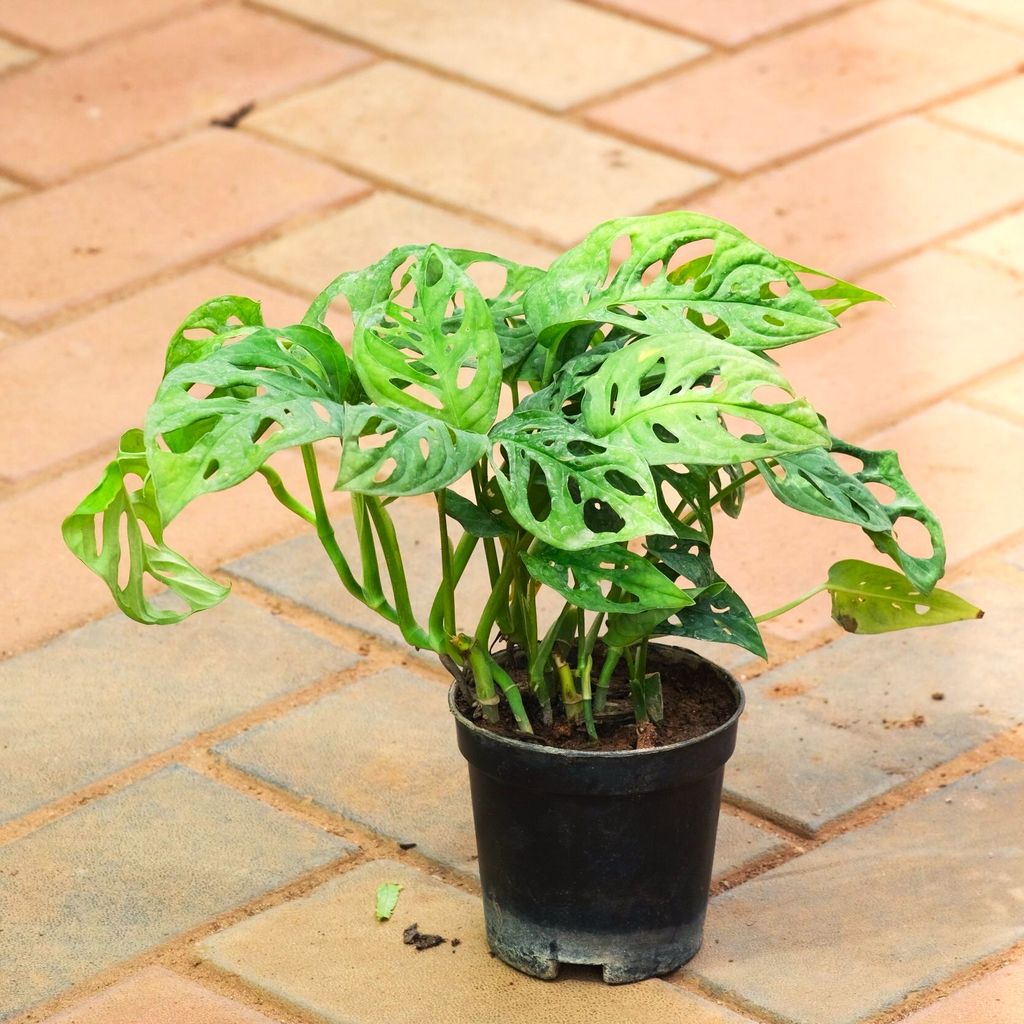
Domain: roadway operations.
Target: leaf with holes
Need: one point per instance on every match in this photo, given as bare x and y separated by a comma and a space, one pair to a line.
665, 397
292, 383
118, 508
407, 452
589, 579
207, 327
569, 489
837, 296
718, 614
870, 598
738, 290
813, 482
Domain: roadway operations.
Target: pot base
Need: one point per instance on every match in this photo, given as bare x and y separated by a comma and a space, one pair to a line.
540, 952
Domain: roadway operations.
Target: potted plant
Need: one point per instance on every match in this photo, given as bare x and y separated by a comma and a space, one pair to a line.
639, 398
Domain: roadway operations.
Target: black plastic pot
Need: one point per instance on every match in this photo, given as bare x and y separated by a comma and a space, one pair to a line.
598, 858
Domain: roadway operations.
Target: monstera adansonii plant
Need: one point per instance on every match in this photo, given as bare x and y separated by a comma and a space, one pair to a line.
636, 396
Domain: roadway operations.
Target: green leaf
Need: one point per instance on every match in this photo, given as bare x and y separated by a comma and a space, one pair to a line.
475, 520
132, 513
205, 329
569, 489
438, 354
837, 296
387, 900
584, 579
813, 482
272, 390
665, 397
739, 290
718, 614
870, 598
418, 453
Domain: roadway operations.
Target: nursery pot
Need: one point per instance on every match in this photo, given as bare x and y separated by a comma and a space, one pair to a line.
598, 858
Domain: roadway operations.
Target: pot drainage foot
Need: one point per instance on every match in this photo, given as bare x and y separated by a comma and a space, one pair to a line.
527, 962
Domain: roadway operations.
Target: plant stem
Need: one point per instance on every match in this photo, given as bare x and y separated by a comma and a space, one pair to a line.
285, 496
571, 700
790, 604
372, 589
611, 660
512, 695
447, 576
691, 517
499, 597
479, 476
483, 682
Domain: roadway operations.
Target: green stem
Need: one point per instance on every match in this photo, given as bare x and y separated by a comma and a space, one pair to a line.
716, 499
478, 474
285, 496
372, 589
484, 683
789, 605
611, 661
447, 590
498, 598
571, 699
512, 695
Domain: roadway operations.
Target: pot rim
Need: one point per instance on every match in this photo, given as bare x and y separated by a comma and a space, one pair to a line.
511, 741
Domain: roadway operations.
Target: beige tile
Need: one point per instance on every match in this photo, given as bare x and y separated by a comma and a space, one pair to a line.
389, 983
12, 55
1002, 240
1003, 12
157, 996
542, 50
874, 196
998, 110
890, 358
180, 202
865, 64
360, 234
72, 23
120, 96
8, 187
469, 149
725, 21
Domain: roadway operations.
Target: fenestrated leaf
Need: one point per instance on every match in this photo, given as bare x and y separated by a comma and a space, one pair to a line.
439, 353
477, 521
569, 489
739, 290
203, 330
585, 579
119, 507
665, 396
426, 452
813, 482
870, 598
272, 390
718, 614
372, 286
837, 296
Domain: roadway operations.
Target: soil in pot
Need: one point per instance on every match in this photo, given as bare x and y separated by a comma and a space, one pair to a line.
695, 704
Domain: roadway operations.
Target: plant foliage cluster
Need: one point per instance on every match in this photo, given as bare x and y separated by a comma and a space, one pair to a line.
598, 412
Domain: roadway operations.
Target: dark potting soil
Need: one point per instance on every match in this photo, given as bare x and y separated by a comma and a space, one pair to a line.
696, 702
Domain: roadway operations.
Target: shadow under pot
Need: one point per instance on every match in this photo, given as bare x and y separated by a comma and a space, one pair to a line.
600, 858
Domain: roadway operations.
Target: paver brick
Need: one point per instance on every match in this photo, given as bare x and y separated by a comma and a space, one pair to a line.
75, 712
542, 50
725, 21
1002, 240
389, 983
51, 590
1002, 394
119, 96
996, 111
73, 23
380, 752
130, 870
949, 452
311, 256
890, 358
865, 199
854, 926
1005, 12
83, 410
114, 227
8, 188
158, 996
461, 146
900, 54
996, 998
738, 843
856, 717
